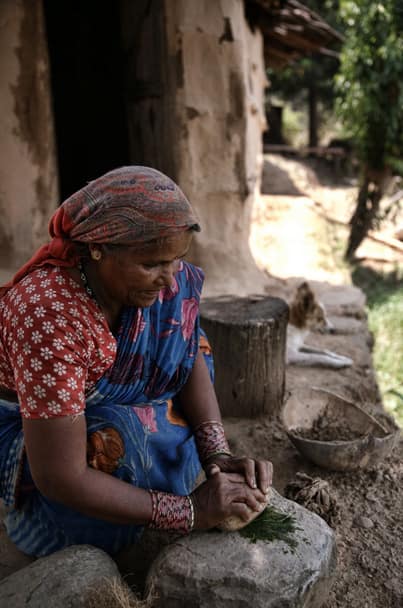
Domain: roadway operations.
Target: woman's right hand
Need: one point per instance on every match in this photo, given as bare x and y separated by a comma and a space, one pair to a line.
224, 495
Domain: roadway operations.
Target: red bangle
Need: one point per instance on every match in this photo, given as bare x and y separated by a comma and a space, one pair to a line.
171, 512
210, 440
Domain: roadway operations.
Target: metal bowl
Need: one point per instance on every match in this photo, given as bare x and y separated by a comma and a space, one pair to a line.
375, 440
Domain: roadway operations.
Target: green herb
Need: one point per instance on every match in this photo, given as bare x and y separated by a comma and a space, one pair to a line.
271, 525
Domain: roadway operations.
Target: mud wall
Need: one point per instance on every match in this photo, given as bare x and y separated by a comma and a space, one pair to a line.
219, 122
196, 83
28, 174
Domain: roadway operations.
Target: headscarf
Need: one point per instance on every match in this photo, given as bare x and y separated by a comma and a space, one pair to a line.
127, 206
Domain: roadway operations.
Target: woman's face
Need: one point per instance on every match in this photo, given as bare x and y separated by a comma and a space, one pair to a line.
127, 276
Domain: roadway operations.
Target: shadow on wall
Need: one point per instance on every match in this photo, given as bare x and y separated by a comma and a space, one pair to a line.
277, 181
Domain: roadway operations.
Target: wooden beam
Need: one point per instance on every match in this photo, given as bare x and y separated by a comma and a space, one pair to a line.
294, 40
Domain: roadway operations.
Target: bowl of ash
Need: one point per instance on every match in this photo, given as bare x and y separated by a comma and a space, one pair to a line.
335, 433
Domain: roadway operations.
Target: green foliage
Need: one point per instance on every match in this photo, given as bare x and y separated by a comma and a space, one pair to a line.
327, 9
370, 80
385, 318
291, 83
271, 525
318, 69
294, 126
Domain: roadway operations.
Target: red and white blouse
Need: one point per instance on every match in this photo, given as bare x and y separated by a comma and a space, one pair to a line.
55, 344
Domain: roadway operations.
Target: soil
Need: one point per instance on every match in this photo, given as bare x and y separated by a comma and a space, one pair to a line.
323, 431
287, 241
328, 427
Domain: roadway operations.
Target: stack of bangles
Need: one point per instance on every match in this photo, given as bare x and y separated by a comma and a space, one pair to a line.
171, 512
210, 440
176, 513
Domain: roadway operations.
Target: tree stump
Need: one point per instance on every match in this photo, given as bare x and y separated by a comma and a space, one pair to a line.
248, 339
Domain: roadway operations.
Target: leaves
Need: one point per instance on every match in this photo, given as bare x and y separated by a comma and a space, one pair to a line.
291, 82
271, 525
369, 82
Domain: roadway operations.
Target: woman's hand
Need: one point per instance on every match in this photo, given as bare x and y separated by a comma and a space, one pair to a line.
224, 495
256, 473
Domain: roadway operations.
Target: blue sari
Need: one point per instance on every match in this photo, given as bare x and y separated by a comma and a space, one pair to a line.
135, 430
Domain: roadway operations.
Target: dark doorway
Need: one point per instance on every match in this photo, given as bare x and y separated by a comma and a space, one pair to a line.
87, 73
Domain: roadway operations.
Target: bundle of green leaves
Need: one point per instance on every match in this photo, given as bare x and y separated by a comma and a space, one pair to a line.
272, 525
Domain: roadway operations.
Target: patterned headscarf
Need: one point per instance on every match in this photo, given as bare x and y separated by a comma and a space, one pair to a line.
127, 206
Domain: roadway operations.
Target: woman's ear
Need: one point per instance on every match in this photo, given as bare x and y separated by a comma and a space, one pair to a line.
95, 251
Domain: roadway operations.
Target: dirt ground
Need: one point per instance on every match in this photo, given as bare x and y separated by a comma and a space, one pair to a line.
287, 241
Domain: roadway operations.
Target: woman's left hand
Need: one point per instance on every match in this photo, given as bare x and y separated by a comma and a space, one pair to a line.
257, 473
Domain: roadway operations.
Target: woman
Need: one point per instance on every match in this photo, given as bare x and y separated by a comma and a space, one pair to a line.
107, 408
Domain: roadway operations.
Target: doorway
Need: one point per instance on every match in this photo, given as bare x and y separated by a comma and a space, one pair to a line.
87, 68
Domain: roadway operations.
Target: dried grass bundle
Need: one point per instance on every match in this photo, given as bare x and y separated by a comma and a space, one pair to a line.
115, 593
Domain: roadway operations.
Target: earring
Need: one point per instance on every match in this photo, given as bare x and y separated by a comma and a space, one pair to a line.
96, 255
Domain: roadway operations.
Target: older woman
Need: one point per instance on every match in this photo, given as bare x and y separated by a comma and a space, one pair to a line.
107, 407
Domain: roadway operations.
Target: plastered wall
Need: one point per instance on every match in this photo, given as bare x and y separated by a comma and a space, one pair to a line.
219, 121
28, 177
198, 115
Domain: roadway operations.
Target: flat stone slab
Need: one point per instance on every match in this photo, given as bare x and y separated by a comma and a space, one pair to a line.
64, 579
220, 570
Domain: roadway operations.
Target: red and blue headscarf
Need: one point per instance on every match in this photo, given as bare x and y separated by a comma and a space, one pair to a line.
127, 206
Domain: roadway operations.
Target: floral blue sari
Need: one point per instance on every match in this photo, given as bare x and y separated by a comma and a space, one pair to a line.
135, 430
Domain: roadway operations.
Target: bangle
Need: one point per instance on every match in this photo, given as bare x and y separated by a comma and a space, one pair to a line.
205, 423
210, 440
171, 512
192, 513
218, 453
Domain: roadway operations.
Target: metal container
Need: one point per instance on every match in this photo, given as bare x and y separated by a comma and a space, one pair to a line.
374, 442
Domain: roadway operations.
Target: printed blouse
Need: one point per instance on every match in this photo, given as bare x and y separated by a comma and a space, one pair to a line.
55, 343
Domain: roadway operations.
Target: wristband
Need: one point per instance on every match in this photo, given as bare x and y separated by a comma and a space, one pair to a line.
210, 440
171, 512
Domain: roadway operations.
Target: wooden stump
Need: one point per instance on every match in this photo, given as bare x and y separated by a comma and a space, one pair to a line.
248, 338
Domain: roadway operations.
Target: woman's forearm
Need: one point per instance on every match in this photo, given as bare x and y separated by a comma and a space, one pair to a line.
198, 399
201, 409
100, 495
64, 475
56, 451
